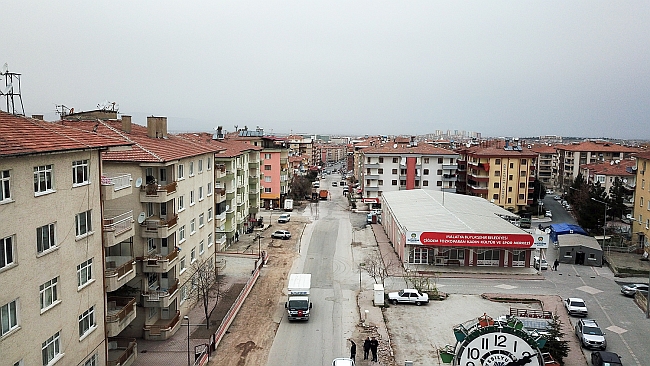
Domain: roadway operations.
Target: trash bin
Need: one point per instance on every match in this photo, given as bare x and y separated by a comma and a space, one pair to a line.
379, 294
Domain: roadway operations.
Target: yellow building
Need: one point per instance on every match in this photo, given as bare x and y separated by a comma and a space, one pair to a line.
641, 222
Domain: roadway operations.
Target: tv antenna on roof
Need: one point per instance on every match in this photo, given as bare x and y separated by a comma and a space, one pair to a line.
11, 90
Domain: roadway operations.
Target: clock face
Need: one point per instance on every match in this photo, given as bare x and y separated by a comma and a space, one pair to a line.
495, 348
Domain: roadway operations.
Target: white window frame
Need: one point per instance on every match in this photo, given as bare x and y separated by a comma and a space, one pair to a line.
209, 189
267, 190
5, 186
92, 361
267, 156
209, 167
80, 173
87, 322
193, 255
267, 178
49, 294
201, 194
41, 246
181, 234
192, 226
182, 265
43, 180
200, 166
201, 247
201, 220
82, 218
181, 172
192, 198
191, 168
51, 349
9, 317
85, 273
181, 203
209, 214
7, 252
210, 240
183, 294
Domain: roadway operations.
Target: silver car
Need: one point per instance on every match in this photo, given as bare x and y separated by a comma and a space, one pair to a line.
575, 306
631, 289
590, 335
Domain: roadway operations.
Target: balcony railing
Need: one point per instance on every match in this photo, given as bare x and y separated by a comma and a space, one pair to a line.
127, 346
162, 326
153, 223
118, 182
118, 221
112, 270
119, 308
160, 298
156, 189
154, 259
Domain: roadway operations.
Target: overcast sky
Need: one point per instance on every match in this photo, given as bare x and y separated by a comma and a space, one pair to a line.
514, 68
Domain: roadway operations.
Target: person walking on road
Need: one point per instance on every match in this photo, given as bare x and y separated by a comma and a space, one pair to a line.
374, 344
556, 264
366, 348
353, 350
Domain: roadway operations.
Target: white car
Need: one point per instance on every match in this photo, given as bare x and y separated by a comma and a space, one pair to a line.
284, 218
540, 264
548, 213
409, 296
281, 234
575, 306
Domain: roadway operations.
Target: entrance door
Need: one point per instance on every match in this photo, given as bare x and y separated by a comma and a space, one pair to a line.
580, 258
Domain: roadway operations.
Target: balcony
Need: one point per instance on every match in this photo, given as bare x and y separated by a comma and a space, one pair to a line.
120, 313
477, 190
158, 228
163, 328
118, 227
160, 298
371, 176
449, 166
158, 194
449, 190
478, 178
119, 271
219, 191
449, 177
230, 195
371, 189
159, 263
121, 351
371, 166
116, 186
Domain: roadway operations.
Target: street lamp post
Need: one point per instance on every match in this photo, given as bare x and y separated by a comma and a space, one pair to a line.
187, 318
259, 246
605, 218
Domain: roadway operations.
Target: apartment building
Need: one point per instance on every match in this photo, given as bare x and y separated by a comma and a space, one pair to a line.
641, 215
547, 162
52, 304
499, 172
606, 172
302, 147
571, 156
405, 165
173, 208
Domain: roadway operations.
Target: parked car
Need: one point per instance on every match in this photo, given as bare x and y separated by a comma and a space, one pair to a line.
576, 306
342, 362
549, 191
409, 296
557, 198
604, 358
281, 234
548, 213
590, 335
284, 218
632, 288
334, 184
540, 264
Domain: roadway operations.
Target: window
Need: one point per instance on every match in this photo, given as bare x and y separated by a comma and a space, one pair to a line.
267, 156
425, 160
51, 349
497, 173
381, 160
163, 175
394, 160
192, 226
380, 182
183, 267
368, 160
79, 172
43, 179
210, 241
6, 251
394, 182
380, 171
84, 223
191, 168
522, 185
193, 255
201, 220
267, 190
512, 165
522, 173
425, 171
209, 214
209, 167
402, 171
84, 272
49, 294
181, 172
510, 177
496, 184
201, 194
151, 245
45, 239
521, 196
495, 196
439, 160
439, 172
181, 234
417, 183
425, 183
524, 162
87, 321
641, 202
209, 189
367, 181
192, 202
267, 178
201, 247
183, 294
509, 200
497, 161
93, 361
402, 182
394, 171
439, 183
509, 189
200, 165
8, 317
181, 203
5, 187
267, 167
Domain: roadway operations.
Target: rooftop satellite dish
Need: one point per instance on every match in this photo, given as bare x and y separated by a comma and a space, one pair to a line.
7, 88
141, 217
611, 162
227, 207
5, 67
222, 227
138, 182
629, 216
624, 180
617, 161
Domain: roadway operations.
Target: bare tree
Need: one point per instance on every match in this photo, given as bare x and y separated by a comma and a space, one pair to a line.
421, 282
204, 285
378, 267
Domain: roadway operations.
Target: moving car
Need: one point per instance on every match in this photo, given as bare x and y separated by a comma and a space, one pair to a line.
632, 288
281, 234
575, 306
284, 218
604, 358
590, 335
540, 264
409, 296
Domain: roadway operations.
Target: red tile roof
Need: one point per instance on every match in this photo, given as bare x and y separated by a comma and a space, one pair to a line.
392, 148
544, 149
607, 168
145, 148
226, 148
496, 151
600, 146
22, 136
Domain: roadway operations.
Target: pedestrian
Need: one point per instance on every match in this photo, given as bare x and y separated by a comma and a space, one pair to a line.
374, 344
366, 348
556, 264
353, 350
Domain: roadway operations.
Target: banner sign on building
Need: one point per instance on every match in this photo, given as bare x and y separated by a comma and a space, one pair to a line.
515, 241
541, 240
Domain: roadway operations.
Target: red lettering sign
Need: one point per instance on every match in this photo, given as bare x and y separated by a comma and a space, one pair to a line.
515, 241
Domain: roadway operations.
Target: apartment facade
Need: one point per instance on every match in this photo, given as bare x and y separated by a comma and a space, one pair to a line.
52, 303
547, 162
404, 166
641, 215
500, 173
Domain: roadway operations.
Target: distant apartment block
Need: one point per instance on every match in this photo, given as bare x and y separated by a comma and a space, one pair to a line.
641, 214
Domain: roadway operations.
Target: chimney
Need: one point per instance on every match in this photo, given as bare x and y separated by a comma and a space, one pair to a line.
37, 116
126, 124
157, 127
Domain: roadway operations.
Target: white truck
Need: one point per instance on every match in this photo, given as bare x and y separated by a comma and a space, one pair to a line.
298, 303
288, 204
